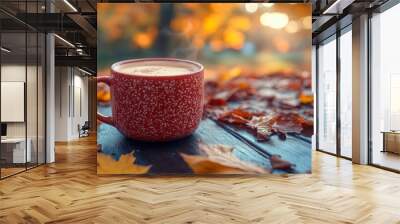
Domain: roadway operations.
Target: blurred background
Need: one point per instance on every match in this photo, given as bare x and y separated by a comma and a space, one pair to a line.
230, 39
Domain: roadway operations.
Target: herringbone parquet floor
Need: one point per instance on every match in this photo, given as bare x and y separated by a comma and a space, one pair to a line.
69, 191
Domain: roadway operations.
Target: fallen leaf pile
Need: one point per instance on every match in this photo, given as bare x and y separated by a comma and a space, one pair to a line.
277, 104
219, 159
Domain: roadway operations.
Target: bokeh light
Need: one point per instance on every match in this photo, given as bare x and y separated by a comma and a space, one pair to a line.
307, 23
275, 20
292, 27
267, 5
222, 36
251, 7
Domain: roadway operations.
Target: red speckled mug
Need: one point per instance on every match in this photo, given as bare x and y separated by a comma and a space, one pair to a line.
155, 99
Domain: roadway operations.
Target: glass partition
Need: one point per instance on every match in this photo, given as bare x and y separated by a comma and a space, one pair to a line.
385, 89
31, 98
327, 96
13, 94
346, 94
41, 96
23, 90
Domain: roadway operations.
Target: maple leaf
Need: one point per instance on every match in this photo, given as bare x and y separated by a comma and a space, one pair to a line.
125, 165
293, 123
219, 159
237, 116
288, 123
262, 127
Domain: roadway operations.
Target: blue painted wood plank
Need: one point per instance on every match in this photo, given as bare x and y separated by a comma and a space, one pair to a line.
165, 158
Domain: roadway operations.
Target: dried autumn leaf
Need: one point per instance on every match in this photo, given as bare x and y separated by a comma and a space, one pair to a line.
210, 88
294, 85
289, 84
289, 104
262, 127
288, 123
241, 94
306, 99
281, 96
236, 116
216, 102
103, 95
278, 163
309, 112
220, 99
125, 165
267, 93
241, 84
281, 135
240, 112
214, 112
225, 95
308, 128
307, 83
219, 159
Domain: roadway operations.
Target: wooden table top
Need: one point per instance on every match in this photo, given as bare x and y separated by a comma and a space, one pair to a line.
390, 132
164, 158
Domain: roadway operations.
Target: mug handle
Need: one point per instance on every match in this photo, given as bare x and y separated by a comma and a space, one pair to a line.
106, 119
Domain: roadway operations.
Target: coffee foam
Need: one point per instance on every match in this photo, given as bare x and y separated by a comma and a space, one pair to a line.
157, 68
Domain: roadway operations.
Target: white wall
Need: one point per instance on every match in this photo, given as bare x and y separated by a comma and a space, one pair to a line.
33, 126
71, 94
80, 110
12, 73
62, 81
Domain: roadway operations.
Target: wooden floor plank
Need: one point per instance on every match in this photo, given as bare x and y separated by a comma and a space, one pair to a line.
69, 191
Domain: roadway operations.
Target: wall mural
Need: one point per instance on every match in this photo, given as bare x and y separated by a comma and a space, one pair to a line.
199, 89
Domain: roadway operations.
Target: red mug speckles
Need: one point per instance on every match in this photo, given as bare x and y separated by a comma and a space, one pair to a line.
155, 108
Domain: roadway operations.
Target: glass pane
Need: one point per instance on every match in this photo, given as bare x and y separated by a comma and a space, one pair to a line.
32, 88
31, 98
41, 98
313, 77
346, 94
385, 114
13, 86
327, 97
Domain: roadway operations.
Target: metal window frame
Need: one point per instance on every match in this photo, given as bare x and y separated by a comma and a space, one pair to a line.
334, 37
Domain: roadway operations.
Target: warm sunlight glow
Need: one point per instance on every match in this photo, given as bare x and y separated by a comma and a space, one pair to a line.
292, 27
251, 7
275, 20
142, 40
233, 39
307, 24
268, 5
